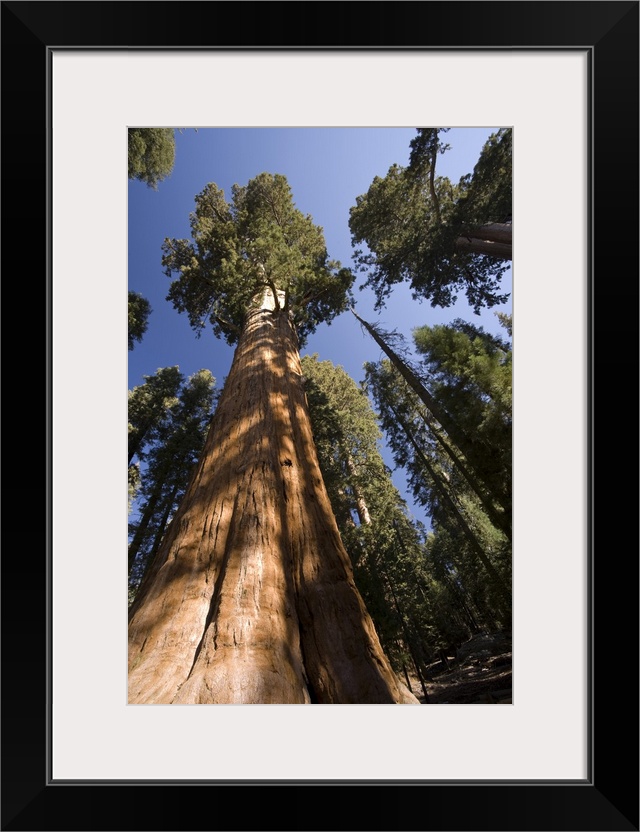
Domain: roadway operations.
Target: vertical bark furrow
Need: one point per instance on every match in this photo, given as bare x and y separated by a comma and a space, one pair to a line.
253, 657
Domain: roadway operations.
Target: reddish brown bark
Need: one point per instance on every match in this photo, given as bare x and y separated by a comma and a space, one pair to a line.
493, 239
251, 598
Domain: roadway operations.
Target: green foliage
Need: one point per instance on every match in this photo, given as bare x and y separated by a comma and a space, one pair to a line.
406, 227
346, 432
133, 482
148, 404
139, 311
385, 545
470, 374
169, 459
478, 550
259, 241
464, 356
425, 148
506, 321
487, 193
152, 152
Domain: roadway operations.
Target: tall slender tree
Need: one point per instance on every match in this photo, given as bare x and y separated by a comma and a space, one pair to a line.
471, 453
386, 546
148, 408
251, 597
481, 549
470, 373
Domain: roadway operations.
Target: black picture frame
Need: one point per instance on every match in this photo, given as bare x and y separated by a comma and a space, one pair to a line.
608, 799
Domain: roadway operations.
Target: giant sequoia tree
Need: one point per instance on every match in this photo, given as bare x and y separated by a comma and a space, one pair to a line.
251, 596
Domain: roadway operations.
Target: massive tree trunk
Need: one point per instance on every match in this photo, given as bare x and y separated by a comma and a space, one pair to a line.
251, 598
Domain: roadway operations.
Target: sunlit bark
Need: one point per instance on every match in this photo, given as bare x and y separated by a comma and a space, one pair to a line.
251, 598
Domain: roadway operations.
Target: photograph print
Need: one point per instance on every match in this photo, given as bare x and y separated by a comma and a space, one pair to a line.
319, 415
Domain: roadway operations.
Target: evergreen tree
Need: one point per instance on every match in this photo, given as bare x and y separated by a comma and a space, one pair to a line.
470, 374
440, 237
385, 545
139, 311
148, 406
468, 451
168, 467
133, 483
251, 596
481, 549
152, 153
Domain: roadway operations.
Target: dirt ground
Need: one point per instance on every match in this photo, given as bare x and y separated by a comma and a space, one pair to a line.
479, 673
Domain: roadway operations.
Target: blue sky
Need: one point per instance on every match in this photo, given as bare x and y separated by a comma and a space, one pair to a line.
327, 168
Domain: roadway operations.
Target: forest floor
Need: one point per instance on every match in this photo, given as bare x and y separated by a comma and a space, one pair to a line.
479, 673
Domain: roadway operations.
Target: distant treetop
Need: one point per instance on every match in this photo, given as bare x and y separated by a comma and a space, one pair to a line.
152, 153
139, 311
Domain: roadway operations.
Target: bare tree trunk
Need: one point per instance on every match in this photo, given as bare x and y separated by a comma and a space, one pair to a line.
493, 239
252, 598
361, 505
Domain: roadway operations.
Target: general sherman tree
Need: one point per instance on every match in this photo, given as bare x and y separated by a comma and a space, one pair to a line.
251, 597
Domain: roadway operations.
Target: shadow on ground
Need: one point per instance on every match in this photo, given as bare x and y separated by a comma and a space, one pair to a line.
479, 673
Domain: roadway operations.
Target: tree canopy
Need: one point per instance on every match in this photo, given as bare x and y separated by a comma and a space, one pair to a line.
149, 404
442, 238
470, 374
152, 153
139, 311
474, 552
181, 423
259, 242
385, 546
